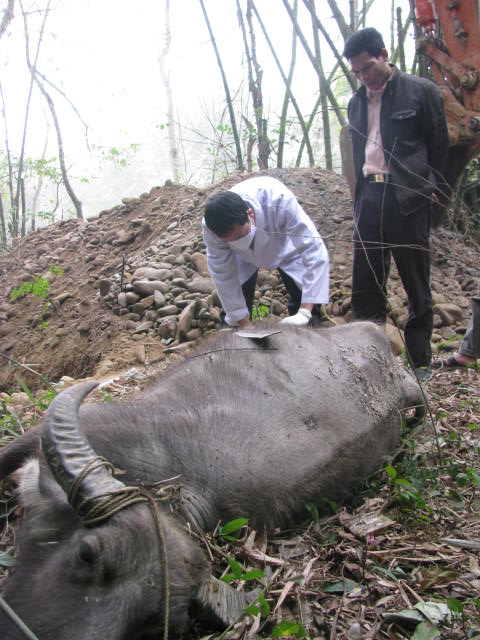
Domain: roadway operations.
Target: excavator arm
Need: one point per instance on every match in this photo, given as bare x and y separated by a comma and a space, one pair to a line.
448, 34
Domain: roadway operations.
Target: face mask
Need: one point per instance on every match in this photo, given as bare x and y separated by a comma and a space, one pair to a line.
242, 244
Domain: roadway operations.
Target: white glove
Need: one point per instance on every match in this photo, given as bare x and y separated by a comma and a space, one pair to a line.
300, 319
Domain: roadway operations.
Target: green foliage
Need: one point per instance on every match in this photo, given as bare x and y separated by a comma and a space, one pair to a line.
42, 168
260, 312
262, 608
107, 397
323, 505
39, 287
11, 426
232, 526
36, 172
469, 193
120, 157
237, 573
289, 628
455, 605
404, 490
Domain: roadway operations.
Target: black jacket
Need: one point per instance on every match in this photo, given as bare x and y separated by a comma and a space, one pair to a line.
414, 134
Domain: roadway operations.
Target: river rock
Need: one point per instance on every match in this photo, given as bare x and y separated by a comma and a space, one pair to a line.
158, 299
200, 262
147, 287
185, 320
150, 273
143, 327
201, 285
105, 286
450, 313
168, 310
168, 328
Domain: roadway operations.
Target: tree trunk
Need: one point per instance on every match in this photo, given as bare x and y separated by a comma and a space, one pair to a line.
392, 26
399, 53
7, 149
257, 96
24, 207
32, 69
61, 155
286, 99
239, 160
419, 60
3, 226
328, 91
39, 187
311, 7
7, 17
339, 19
300, 117
165, 73
323, 100
401, 40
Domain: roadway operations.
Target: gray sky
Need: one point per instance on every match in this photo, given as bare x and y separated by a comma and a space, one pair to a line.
104, 54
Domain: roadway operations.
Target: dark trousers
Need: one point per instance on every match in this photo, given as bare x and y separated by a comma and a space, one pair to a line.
293, 290
380, 232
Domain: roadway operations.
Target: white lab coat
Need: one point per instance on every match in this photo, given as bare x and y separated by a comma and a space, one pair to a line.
285, 238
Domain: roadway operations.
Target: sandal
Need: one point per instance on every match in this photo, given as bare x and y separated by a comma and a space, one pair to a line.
451, 362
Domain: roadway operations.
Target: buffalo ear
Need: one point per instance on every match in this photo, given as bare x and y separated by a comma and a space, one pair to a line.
35, 487
29, 483
217, 603
38, 491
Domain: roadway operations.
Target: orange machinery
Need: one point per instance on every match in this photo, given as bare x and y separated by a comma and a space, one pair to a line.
449, 37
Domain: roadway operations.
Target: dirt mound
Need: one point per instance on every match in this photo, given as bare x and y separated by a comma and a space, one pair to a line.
82, 326
409, 540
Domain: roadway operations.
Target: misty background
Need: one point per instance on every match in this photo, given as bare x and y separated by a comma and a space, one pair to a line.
105, 63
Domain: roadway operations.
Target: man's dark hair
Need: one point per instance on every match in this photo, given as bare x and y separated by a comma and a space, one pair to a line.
368, 39
224, 210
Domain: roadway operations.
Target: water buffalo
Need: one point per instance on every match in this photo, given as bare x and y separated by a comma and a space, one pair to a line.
243, 428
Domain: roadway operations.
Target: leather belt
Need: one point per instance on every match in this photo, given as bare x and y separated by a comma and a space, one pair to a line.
377, 177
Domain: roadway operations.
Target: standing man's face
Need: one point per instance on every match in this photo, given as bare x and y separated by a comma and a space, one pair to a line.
372, 72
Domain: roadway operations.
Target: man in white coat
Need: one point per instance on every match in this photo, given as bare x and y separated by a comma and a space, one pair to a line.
259, 223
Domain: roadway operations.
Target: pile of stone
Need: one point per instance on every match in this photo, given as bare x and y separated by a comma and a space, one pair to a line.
166, 290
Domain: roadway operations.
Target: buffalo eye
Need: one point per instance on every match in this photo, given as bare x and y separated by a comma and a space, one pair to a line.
88, 550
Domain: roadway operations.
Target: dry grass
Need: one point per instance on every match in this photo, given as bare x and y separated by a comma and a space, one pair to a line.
413, 539
412, 536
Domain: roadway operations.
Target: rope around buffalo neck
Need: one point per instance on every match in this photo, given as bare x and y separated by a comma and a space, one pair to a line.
99, 508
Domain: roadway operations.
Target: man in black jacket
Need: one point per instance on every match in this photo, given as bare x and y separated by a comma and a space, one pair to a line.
400, 140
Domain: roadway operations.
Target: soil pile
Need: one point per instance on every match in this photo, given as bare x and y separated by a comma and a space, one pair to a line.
133, 281
130, 288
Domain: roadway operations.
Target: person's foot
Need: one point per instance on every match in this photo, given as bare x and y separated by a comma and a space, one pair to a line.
455, 361
424, 373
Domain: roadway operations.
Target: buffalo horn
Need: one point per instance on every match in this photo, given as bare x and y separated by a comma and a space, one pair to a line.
68, 451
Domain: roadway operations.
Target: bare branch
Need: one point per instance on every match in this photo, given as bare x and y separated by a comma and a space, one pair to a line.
7, 17
236, 138
345, 30
328, 91
165, 75
287, 85
351, 81
32, 67
61, 154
